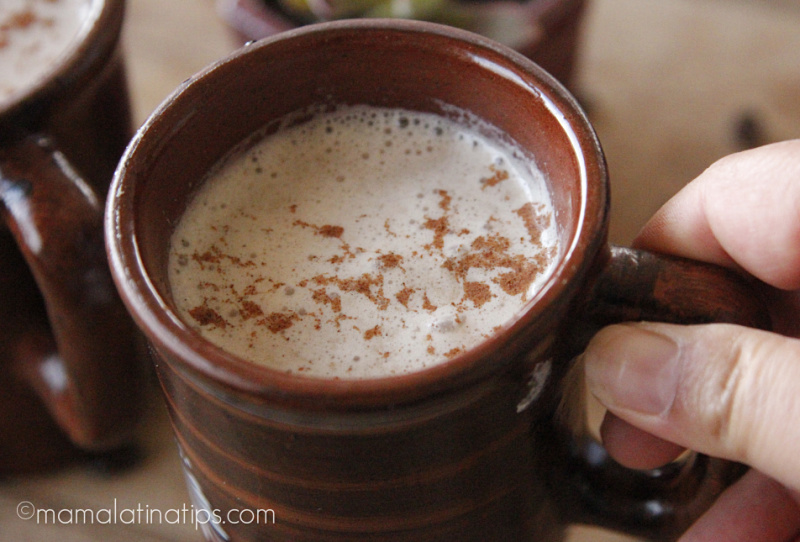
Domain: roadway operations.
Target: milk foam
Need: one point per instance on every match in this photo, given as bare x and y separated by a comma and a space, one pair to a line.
34, 35
364, 243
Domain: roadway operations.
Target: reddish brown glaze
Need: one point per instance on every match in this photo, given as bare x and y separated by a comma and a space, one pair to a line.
70, 380
468, 450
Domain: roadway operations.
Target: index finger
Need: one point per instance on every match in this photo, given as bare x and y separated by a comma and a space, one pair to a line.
743, 211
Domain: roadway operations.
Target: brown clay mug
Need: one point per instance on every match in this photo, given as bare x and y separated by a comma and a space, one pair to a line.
477, 448
69, 379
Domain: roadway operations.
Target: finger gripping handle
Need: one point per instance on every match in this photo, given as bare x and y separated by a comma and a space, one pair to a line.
635, 285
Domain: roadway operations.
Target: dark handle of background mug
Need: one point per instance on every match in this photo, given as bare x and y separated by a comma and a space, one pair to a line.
81, 357
634, 286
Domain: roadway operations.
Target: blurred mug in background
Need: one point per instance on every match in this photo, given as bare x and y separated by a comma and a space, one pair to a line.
70, 379
546, 31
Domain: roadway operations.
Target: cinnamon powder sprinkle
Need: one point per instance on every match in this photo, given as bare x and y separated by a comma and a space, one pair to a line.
535, 222
277, 322
249, 309
444, 204
215, 256
330, 231
453, 353
206, 316
252, 290
492, 253
404, 295
325, 231
489, 252
477, 292
523, 273
390, 261
440, 228
498, 177
20, 20
427, 305
363, 285
322, 297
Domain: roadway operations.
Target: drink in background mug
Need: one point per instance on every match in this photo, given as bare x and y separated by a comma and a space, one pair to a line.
481, 444
70, 382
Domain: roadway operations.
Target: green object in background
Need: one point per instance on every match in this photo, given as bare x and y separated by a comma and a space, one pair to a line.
316, 10
507, 22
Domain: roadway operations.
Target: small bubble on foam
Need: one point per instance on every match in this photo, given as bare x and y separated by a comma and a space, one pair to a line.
447, 323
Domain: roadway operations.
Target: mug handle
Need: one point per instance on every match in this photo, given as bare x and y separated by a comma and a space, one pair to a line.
81, 360
636, 285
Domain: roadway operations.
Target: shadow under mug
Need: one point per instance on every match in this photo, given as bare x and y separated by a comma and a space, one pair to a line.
473, 449
71, 379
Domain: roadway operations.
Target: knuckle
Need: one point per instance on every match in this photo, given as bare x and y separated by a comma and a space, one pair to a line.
732, 418
747, 394
717, 391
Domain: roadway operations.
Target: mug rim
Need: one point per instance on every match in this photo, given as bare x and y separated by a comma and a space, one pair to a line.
94, 43
199, 357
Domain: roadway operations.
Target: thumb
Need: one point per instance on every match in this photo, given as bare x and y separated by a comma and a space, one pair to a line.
723, 390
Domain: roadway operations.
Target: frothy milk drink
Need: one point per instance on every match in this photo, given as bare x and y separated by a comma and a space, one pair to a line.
34, 36
363, 243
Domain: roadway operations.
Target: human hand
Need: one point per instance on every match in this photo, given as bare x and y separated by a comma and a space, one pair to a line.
722, 390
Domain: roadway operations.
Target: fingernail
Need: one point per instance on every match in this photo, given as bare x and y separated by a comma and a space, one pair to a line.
634, 368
